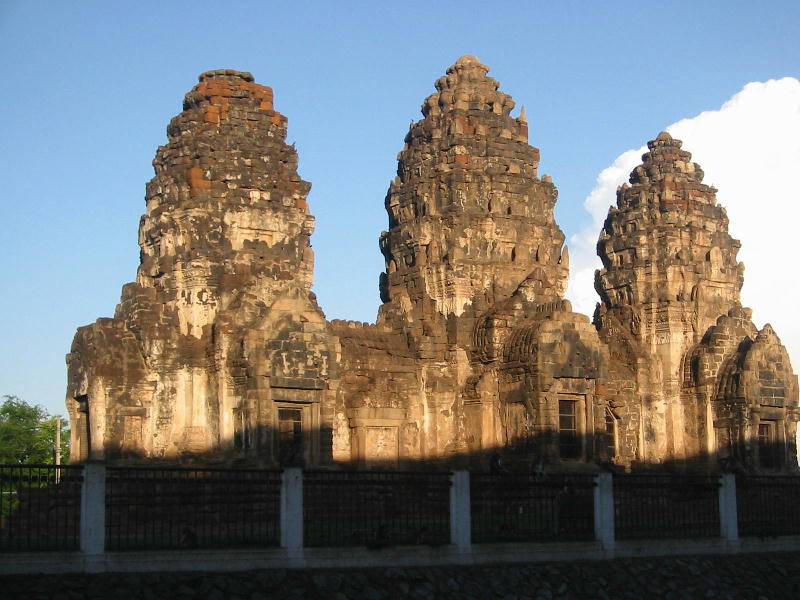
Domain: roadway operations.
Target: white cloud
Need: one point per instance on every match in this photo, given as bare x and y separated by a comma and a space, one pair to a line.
583, 246
750, 151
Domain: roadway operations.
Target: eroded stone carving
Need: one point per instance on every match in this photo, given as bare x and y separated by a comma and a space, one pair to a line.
679, 339
220, 327
219, 352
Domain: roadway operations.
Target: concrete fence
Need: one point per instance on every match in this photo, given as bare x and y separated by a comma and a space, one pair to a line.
518, 501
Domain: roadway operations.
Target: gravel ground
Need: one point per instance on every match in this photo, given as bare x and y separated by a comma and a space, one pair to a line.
742, 576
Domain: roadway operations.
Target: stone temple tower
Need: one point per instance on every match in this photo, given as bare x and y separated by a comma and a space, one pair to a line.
219, 344
219, 353
469, 217
489, 352
670, 280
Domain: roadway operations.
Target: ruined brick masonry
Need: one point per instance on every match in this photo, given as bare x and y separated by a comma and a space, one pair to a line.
219, 353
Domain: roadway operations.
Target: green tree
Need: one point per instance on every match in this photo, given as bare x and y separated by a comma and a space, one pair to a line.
27, 434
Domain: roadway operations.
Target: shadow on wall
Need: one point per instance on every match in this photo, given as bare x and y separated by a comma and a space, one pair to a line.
549, 451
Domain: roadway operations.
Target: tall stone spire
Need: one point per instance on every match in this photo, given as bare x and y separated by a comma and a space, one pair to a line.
669, 272
469, 217
476, 270
666, 251
226, 210
220, 325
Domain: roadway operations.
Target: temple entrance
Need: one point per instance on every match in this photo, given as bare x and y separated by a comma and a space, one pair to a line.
767, 445
290, 436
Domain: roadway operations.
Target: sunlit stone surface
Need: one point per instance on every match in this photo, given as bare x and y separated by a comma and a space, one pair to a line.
218, 352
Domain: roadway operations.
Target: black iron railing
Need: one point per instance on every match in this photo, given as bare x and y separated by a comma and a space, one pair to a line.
666, 506
527, 508
768, 505
152, 508
39, 507
375, 509
182, 508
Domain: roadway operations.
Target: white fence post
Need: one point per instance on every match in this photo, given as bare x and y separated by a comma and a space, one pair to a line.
93, 508
728, 511
604, 510
292, 509
460, 516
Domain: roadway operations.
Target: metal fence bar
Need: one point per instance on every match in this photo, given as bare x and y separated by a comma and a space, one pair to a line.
375, 508
527, 508
39, 507
768, 505
171, 507
666, 506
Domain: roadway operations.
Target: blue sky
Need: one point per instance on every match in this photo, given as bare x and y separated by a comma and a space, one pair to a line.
89, 87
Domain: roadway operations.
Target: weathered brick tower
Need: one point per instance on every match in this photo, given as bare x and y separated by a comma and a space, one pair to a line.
480, 350
219, 353
672, 317
220, 327
469, 218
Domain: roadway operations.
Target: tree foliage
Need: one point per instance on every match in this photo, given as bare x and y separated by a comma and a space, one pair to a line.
27, 434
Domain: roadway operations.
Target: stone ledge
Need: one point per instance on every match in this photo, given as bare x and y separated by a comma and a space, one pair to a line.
232, 560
